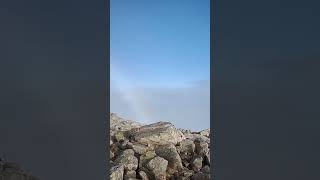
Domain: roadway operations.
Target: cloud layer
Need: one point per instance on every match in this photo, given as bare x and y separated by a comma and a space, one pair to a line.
186, 107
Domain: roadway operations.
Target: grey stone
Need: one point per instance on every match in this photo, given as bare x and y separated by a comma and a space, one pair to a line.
143, 175
202, 147
186, 172
116, 172
123, 144
195, 136
158, 167
144, 159
130, 174
170, 153
157, 133
128, 160
205, 132
139, 148
119, 136
196, 163
186, 149
119, 124
187, 145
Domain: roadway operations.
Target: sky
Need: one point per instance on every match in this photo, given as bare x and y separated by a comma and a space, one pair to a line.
160, 61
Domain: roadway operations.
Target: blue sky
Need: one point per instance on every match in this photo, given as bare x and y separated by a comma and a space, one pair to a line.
159, 45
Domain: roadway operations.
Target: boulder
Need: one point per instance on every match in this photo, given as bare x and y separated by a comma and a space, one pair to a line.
157, 133
119, 124
139, 148
193, 137
116, 172
128, 160
187, 146
143, 175
130, 174
169, 152
119, 136
186, 150
205, 133
158, 167
185, 172
144, 159
196, 163
202, 147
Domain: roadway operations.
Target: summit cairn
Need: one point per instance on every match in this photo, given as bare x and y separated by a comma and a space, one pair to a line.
157, 151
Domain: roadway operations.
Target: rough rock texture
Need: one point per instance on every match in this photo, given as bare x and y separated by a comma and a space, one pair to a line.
127, 160
12, 171
118, 124
169, 152
157, 151
158, 167
116, 172
157, 133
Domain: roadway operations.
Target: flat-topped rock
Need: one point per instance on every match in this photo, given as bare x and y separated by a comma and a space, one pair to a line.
120, 124
157, 133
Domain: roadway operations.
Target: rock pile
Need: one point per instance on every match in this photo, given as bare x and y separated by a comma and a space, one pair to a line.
157, 151
12, 171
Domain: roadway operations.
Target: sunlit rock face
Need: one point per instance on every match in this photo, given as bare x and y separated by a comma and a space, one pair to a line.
157, 151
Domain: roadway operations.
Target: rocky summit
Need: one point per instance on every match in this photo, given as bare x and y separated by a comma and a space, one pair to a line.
157, 151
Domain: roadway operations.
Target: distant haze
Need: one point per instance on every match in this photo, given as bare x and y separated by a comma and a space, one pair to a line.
186, 107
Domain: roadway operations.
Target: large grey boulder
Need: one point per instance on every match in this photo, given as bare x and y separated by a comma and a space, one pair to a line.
130, 174
116, 172
139, 148
145, 158
143, 175
169, 152
128, 160
205, 133
158, 167
186, 150
196, 163
157, 133
202, 147
120, 124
